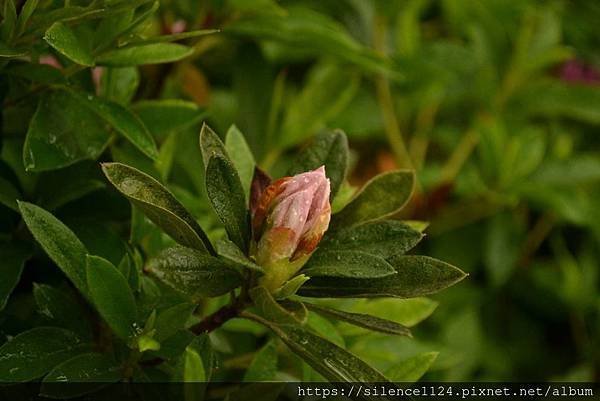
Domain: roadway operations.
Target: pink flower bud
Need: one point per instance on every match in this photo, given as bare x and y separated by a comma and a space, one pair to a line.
289, 219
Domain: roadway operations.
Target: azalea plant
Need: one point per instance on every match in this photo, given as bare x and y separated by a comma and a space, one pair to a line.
138, 245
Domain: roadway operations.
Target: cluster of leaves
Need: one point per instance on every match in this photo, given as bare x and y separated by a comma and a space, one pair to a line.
97, 289
469, 94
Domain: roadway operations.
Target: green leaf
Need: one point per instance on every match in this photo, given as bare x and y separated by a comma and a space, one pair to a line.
119, 85
13, 256
10, 52
407, 312
198, 350
382, 238
9, 194
315, 33
85, 373
112, 296
264, 364
158, 204
329, 149
144, 54
171, 320
63, 131
333, 362
241, 157
168, 115
291, 286
26, 11
33, 353
324, 328
226, 195
211, 145
61, 308
122, 120
327, 91
271, 309
59, 242
382, 196
228, 250
193, 273
347, 264
177, 36
193, 370
366, 321
9, 21
412, 369
66, 41
560, 99
415, 276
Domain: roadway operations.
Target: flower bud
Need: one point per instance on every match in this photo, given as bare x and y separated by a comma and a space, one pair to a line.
289, 219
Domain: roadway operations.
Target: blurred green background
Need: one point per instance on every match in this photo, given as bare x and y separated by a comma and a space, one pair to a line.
494, 103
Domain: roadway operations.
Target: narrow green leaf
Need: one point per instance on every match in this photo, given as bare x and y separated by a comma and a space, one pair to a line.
264, 364
382, 196
9, 21
9, 194
329, 149
300, 28
343, 263
59, 242
144, 54
122, 120
13, 256
211, 145
291, 286
241, 157
408, 312
10, 52
171, 320
412, 369
226, 195
193, 371
85, 373
415, 276
333, 362
367, 321
167, 115
232, 253
112, 296
382, 238
324, 328
33, 353
199, 356
327, 90
26, 11
158, 204
62, 309
193, 273
63, 131
119, 85
66, 41
271, 309
177, 36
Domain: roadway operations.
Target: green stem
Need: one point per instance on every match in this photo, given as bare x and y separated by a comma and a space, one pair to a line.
386, 101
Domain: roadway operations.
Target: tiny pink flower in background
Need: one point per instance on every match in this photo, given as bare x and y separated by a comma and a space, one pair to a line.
97, 73
289, 220
178, 26
576, 71
49, 59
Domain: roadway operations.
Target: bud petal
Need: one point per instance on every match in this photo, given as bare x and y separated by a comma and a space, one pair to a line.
289, 220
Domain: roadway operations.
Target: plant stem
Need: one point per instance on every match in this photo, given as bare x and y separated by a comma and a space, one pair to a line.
386, 101
218, 318
460, 155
